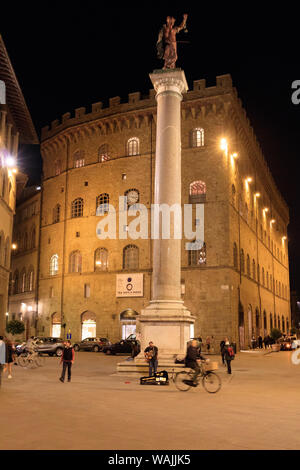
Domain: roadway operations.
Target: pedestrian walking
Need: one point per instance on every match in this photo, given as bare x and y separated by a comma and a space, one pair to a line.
10, 357
67, 359
2, 357
151, 354
260, 342
229, 356
222, 345
253, 342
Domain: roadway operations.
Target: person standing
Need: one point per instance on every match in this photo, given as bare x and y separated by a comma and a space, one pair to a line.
9, 358
229, 355
151, 354
2, 356
222, 345
67, 359
260, 342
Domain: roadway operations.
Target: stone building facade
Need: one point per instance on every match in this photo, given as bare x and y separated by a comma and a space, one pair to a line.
236, 285
23, 292
15, 126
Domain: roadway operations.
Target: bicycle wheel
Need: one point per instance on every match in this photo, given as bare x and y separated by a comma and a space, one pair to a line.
40, 360
22, 360
31, 363
211, 382
179, 381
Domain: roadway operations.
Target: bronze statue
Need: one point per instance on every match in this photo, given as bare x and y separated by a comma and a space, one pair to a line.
166, 44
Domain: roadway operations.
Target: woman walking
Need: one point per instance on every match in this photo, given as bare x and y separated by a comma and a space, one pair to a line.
10, 357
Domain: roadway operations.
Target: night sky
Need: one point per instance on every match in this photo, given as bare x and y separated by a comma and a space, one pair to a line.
72, 54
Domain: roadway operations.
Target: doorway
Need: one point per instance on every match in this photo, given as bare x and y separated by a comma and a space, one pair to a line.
128, 322
88, 325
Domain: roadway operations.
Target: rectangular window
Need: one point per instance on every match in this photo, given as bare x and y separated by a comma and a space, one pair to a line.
87, 291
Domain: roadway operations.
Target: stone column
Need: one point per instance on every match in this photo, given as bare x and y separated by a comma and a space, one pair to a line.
166, 321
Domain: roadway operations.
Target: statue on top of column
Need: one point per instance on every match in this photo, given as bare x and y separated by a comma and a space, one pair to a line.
166, 44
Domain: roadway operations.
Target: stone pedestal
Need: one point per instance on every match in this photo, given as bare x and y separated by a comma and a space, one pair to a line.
166, 321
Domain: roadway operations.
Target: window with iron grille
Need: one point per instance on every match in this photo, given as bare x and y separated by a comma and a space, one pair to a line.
133, 146
197, 257
102, 204
77, 208
56, 214
197, 192
78, 158
75, 262
101, 259
130, 257
54, 265
197, 137
103, 153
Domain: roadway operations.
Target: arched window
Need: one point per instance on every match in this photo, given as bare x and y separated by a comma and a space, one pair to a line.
253, 270
132, 197
283, 324
75, 262
56, 214
197, 257
242, 261
133, 146
16, 282
271, 282
248, 266
103, 153
78, 158
271, 322
279, 289
102, 204
276, 291
197, 137
77, 208
265, 322
278, 322
30, 279
197, 192
25, 241
235, 256
6, 253
267, 279
54, 265
57, 167
23, 281
130, 257
32, 238
233, 195
263, 276
101, 259
258, 273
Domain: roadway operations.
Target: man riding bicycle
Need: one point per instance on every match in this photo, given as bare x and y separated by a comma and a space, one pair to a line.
191, 360
30, 346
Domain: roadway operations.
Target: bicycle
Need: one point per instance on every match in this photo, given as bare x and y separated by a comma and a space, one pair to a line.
31, 360
211, 382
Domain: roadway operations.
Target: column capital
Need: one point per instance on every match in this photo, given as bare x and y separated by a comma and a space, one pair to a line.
165, 81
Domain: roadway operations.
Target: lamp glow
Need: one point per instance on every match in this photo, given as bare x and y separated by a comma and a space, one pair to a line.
10, 162
14, 246
223, 145
257, 194
272, 221
249, 180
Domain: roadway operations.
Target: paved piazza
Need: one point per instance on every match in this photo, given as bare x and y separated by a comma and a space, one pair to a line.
257, 408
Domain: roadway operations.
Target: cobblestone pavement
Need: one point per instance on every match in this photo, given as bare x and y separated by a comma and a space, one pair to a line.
256, 408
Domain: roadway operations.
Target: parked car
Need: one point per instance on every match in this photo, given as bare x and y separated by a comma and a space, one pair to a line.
45, 345
92, 344
122, 347
288, 343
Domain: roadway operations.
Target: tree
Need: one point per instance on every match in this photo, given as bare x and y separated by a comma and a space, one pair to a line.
15, 327
275, 334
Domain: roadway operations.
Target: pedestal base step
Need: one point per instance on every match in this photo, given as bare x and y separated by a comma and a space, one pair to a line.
135, 369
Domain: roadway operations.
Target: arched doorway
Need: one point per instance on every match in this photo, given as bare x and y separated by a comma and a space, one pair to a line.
265, 323
88, 325
257, 325
55, 325
250, 325
128, 322
241, 327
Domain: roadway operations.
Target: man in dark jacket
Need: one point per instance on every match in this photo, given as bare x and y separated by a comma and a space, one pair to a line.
191, 357
67, 360
228, 357
151, 354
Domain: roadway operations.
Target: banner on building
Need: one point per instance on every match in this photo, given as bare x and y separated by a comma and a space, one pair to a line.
130, 285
